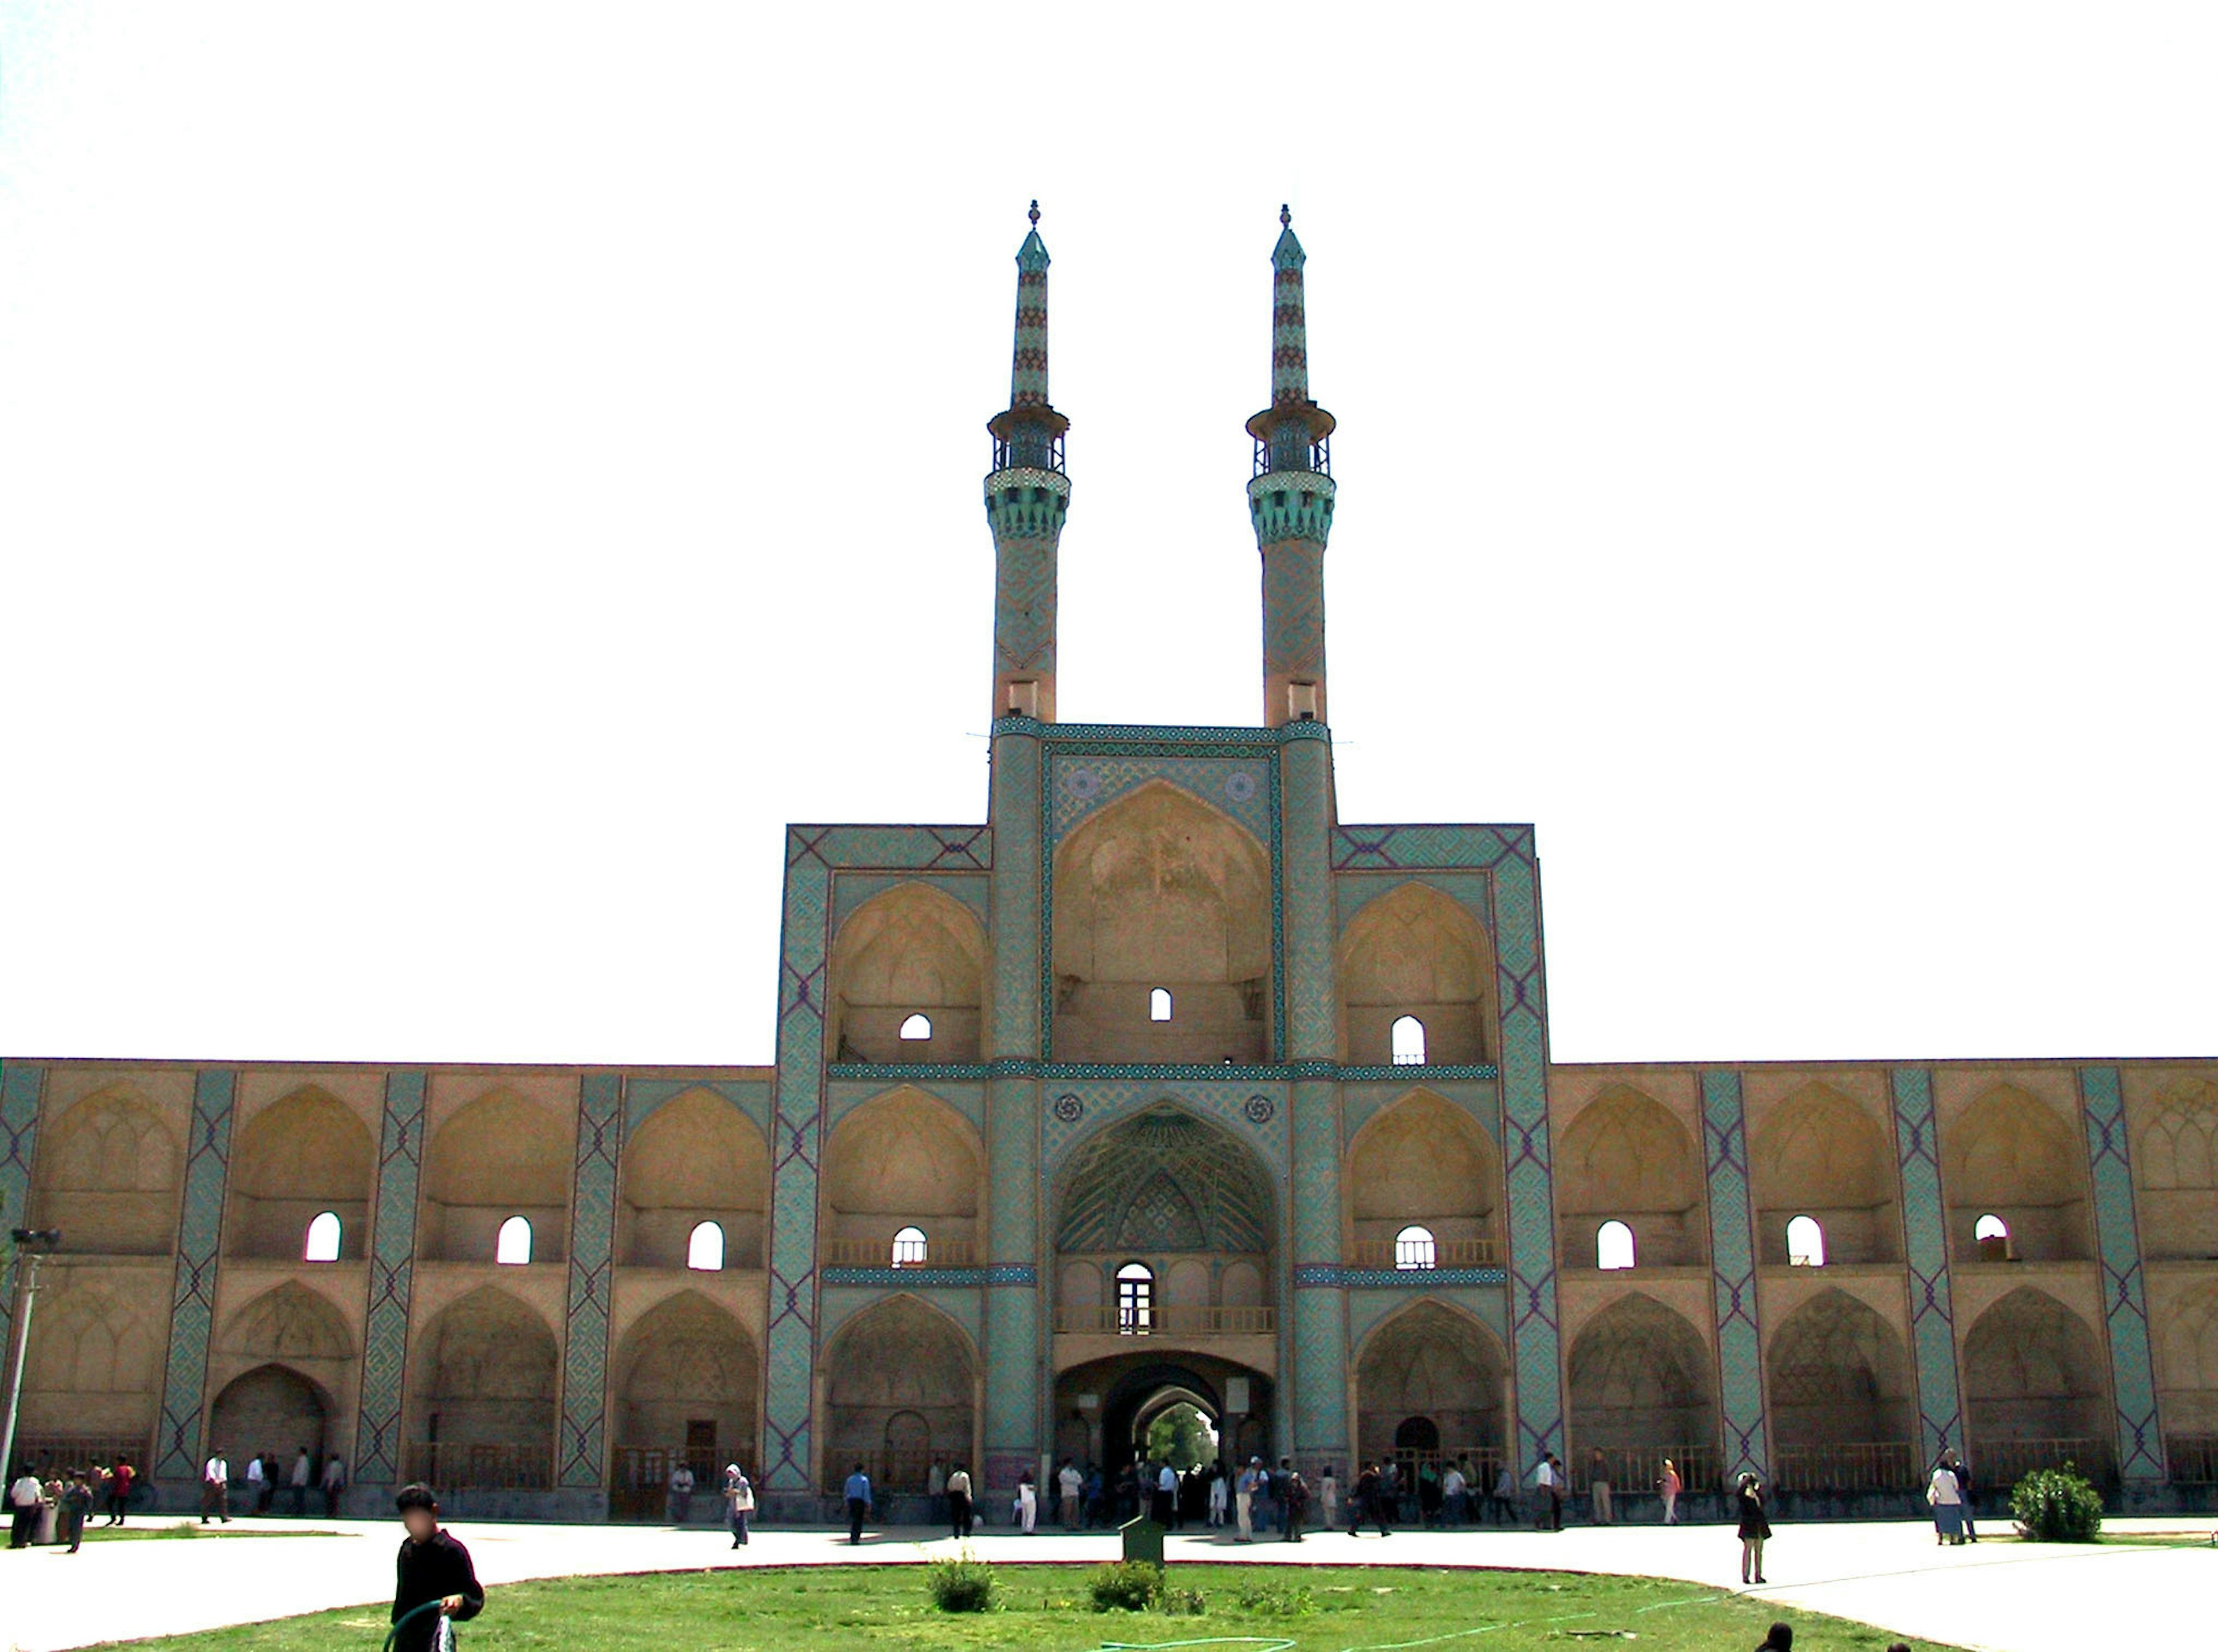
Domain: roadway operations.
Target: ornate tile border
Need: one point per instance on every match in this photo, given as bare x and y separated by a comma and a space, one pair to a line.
22, 1089
392, 1267
850, 890
581, 1456
1429, 848
1252, 1114
1359, 889
192, 1302
1333, 1276
1732, 1271
2125, 1300
892, 1279
1925, 1237
642, 1097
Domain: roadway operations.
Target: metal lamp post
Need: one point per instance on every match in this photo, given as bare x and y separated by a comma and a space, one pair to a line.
32, 1245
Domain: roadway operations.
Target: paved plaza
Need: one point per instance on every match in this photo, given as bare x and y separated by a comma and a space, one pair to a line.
1999, 1596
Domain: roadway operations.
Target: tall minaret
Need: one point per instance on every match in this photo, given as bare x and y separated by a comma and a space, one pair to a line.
1291, 500
1026, 496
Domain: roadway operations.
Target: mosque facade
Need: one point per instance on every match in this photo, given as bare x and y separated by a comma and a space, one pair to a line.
1161, 1084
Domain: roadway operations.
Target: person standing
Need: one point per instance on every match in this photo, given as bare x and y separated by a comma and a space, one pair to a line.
858, 1504
75, 1503
1220, 1498
935, 1488
1946, 1495
958, 1500
119, 1490
1754, 1529
26, 1497
1068, 1483
1370, 1499
1281, 1484
215, 1486
1297, 1503
1559, 1487
1165, 1509
1329, 1498
1028, 1500
1453, 1493
1547, 1503
334, 1483
681, 1493
1432, 1497
303, 1472
1963, 1470
739, 1503
1243, 1501
1598, 1489
258, 1482
432, 1569
1667, 1484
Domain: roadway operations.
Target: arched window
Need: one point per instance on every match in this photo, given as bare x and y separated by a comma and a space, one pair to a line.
916, 1029
1991, 1226
513, 1249
1159, 1004
1414, 1248
909, 1248
704, 1251
1409, 1036
1136, 1298
1612, 1246
323, 1244
1805, 1243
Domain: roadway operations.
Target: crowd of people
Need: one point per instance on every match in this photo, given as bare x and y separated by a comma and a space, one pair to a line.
264, 1475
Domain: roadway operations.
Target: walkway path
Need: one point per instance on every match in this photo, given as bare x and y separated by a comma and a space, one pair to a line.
1996, 1596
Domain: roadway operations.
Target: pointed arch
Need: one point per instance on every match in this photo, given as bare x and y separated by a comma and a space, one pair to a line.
903, 1158
288, 1324
483, 1383
1625, 1157
1642, 1378
696, 1158
1422, 1159
1434, 1361
683, 1362
108, 1173
1415, 952
89, 1339
2011, 1155
1159, 890
2034, 1370
501, 1156
1165, 1149
1837, 1374
2187, 1362
913, 951
272, 1407
1818, 1154
306, 1153
901, 1358
2176, 1163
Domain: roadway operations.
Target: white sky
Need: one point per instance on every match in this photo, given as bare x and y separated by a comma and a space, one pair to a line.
470, 476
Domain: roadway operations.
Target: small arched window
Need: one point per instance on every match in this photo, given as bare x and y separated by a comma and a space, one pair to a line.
910, 1250
1991, 1226
513, 1249
704, 1251
1414, 1248
1805, 1242
1159, 1004
1612, 1246
1409, 1040
916, 1029
1136, 1298
323, 1244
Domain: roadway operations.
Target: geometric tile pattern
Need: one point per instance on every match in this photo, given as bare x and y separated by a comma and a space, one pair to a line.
1925, 1242
1732, 1272
795, 1146
20, 1089
2125, 1301
192, 1300
1415, 848
1014, 1397
1080, 786
1306, 928
849, 893
1078, 1110
1311, 1275
1467, 889
643, 1096
1294, 608
392, 1268
592, 1247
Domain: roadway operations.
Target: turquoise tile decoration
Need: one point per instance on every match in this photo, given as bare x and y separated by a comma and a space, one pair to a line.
21, 1090
1732, 1273
392, 1269
581, 1451
789, 1354
1926, 1243
192, 1300
2125, 1298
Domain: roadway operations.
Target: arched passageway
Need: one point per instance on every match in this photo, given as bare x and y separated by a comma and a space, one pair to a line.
901, 1387
1432, 1386
1642, 1388
1841, 1403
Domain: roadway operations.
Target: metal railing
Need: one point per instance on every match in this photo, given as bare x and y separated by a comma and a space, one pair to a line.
1863, 1465
1031, 450
1481, 1465
1316, 457
57, 1451
1631, 1469
879, 1254
1164, 1319
466, 1465
1998, 1464
1446, 1253
2193, 1458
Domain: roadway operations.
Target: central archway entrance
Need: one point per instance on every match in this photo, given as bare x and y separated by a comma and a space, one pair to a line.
1104, 1410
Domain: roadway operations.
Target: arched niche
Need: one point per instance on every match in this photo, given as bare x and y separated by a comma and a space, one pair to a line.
899, 1159
1435, 1362
911, 951
687, 1379
289, 1325
108, 1175
901, 1386
2009, 1155
304, 1153
1626, 1158
272, 1409
1158, 890
1836, 1374
94, 1363
2033, 1371
1413, 951
482, 1395
2176, 1163
1425, 1160
696, 1158
1819, 1155
502, 1155
2187, 1363
1642, 1379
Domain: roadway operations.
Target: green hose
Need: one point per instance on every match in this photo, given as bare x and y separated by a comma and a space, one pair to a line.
409, 1616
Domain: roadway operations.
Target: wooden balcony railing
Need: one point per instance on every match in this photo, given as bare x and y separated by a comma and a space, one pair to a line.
2193, 1458
1445, 1253
1998, 1464
457, 1465
1633, 1469
1168, 1320
881, 1254
1870, 1465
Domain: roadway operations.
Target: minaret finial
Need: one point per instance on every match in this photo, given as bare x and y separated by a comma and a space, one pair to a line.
1285, 216
1034, 215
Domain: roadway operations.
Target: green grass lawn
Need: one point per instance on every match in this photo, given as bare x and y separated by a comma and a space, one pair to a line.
1308, 1609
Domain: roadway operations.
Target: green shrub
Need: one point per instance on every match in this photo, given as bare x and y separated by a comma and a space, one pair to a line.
961, 1583
1126, 1586
1273, 1598
1175, 1602
2058, 1506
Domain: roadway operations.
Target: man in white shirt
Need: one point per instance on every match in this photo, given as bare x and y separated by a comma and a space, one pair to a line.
300, 1477
1452, 1490
1068, 1483
215, 1486
24, 1498
257, 1484
1544, 1482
